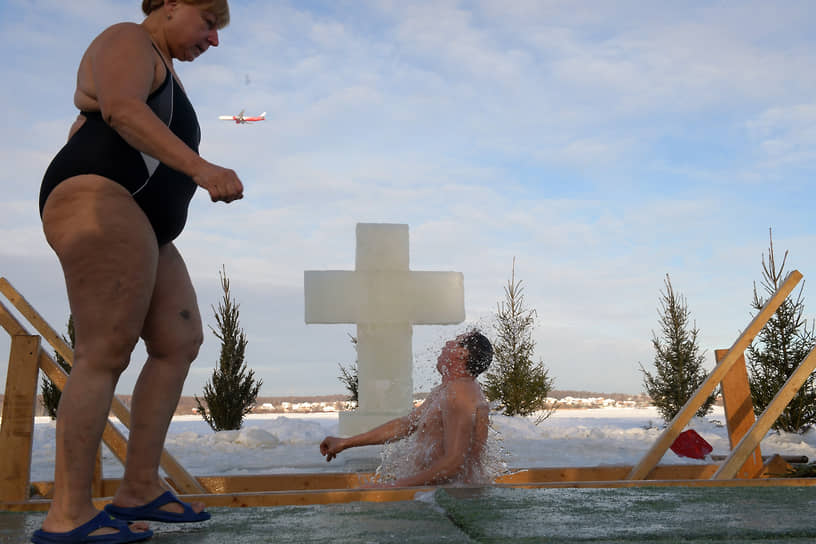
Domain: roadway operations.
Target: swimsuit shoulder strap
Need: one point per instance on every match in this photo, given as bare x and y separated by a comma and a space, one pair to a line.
161, 56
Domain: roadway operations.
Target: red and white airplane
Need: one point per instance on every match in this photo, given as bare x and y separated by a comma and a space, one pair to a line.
241, 119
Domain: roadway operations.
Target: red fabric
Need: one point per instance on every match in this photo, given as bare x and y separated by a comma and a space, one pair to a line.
691, 444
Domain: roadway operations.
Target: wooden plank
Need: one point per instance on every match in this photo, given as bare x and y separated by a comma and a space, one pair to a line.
8, 321
185, 481
739, 412
606, 473
17, 429
763, 424
675, 427
326, 496
776, 467
39, 323
755, 482
261, 483
283, 482
405, 494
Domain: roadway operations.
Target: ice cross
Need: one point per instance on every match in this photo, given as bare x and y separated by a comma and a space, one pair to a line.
385, 299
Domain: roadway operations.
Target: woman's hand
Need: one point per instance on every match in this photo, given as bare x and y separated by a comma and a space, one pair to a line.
222, 183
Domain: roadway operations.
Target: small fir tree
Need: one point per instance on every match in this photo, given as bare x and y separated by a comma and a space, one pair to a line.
778, 349
350, 379
50, 393
678, 361
515, 382
232, 391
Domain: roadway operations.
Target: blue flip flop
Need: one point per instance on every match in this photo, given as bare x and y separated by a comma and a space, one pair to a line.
83, 533
152, 511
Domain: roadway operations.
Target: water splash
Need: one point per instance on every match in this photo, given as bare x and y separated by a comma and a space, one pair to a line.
400, 459
424, 374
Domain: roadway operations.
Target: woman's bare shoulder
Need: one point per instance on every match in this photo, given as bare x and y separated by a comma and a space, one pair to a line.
125, 33
104, 58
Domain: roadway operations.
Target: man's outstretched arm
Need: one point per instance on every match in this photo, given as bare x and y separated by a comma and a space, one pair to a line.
391, 430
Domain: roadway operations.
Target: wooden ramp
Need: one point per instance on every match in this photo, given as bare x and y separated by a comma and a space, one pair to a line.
744, 465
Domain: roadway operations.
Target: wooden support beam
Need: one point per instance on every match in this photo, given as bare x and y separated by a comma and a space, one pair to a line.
763, 424
756, 482
739, 412
675, 427
262, 490
263, 483
776, 467
605, 473
9, 322
17, 429
39, 323
186, 482
314, 497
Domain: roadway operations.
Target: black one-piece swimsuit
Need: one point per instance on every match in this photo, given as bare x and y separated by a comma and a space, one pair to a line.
162, 193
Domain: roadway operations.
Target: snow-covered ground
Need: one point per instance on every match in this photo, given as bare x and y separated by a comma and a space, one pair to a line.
277, 443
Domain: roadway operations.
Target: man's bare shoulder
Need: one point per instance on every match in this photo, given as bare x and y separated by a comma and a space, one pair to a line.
465, 394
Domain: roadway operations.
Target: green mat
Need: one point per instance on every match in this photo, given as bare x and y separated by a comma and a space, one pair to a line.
490, 515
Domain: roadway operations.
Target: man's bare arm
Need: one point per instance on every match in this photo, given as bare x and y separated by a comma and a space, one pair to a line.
391, 430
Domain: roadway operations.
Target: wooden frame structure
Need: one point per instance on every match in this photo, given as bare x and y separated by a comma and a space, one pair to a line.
742, 467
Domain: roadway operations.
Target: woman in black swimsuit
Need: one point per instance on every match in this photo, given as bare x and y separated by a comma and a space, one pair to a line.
112, 202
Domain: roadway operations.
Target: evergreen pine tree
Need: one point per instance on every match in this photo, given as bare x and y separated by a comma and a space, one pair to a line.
50, 393
778, 349
349, 378
514, 381
678, 361
232, 391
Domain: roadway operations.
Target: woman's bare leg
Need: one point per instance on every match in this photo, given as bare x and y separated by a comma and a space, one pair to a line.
172, 334
109, 257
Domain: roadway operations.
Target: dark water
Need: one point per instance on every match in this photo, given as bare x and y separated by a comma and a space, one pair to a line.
491, 515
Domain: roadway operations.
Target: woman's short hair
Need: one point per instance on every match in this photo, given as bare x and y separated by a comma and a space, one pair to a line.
219, 8
480, 352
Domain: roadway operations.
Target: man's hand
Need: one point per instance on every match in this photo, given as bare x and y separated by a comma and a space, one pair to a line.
331, 446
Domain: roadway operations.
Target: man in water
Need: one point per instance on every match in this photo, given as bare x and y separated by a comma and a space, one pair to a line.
448, 430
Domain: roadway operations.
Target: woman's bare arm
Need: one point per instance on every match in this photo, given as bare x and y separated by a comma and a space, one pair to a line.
121, 90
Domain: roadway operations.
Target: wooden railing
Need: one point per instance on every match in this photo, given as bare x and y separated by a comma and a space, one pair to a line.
743, 466
27, 357
748, 444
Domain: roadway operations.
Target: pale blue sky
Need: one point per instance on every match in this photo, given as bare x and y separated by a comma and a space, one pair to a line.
603, 144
